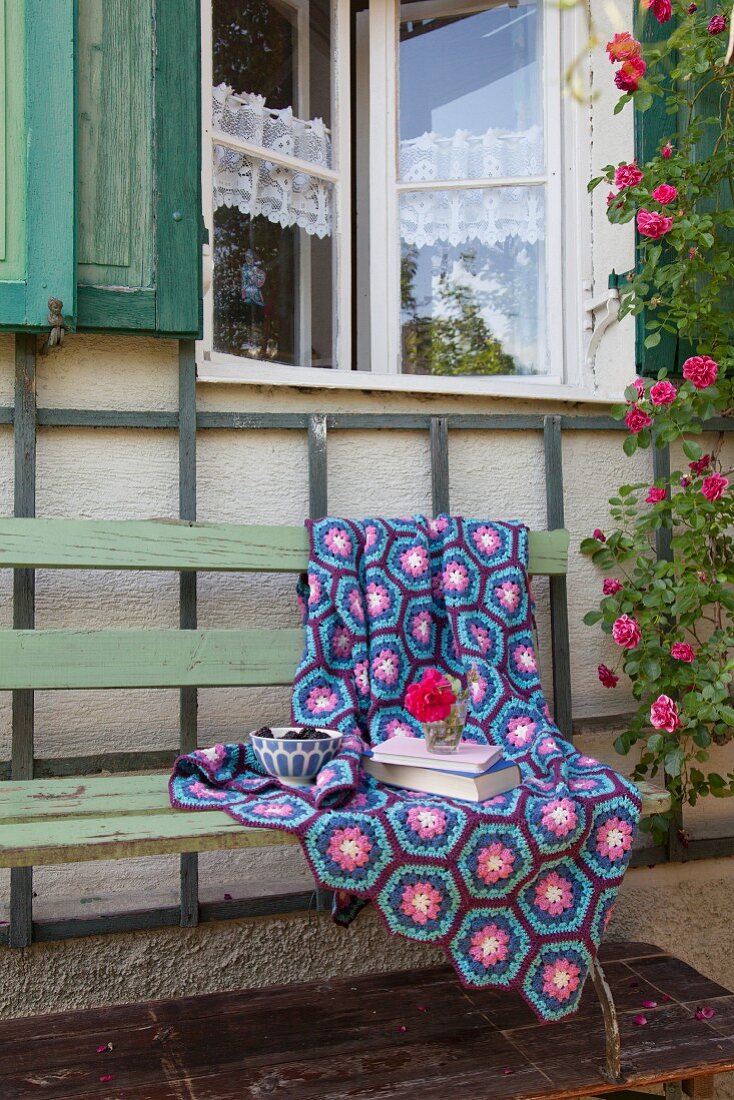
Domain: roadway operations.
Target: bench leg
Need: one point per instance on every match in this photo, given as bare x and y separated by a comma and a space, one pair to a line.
699, 1088
612, 1070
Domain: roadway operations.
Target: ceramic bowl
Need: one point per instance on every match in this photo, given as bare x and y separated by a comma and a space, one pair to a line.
292, 760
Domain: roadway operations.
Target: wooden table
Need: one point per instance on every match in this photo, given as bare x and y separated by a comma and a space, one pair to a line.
414, 1035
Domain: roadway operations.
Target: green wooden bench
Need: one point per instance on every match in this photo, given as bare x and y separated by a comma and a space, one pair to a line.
76, 818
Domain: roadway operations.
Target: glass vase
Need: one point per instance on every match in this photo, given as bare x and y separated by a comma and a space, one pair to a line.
444, 737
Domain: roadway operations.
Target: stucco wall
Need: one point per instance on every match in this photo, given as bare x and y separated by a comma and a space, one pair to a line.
262, 477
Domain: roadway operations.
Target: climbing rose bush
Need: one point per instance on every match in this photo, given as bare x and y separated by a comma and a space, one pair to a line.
667, 601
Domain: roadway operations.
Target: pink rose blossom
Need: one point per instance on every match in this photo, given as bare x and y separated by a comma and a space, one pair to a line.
639, 384
561, 979
667, 151
636, 419
611, 586
623, 46
627, 79
717, 24
682, 651
663, 393
685, 482
607, 677
664, 714
431, 699
701, 370
553, 894
692, 8
626, 632
559, 816
628, 175
614, 838
421, 902
665, 193
653, 225
654, 495
349, 847
661, 9
427, 821
489, 945
599, 535
714, 486
495, 862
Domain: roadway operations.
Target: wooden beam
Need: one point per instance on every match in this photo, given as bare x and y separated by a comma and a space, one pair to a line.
318, 472
440, 485
562, 699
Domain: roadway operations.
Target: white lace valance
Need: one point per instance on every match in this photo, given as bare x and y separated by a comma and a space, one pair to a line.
496, 154
255, 185
489, 215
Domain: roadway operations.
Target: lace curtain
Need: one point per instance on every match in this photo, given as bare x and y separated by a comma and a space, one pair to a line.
489, 215
258, 186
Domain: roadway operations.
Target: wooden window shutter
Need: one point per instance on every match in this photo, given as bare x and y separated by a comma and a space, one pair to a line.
37, 167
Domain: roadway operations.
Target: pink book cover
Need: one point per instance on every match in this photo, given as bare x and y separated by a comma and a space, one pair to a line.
468, 756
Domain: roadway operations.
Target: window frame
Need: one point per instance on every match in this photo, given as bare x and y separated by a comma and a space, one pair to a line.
567, 129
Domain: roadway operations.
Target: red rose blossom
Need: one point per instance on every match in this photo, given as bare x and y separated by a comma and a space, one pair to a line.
702, 464
663, 393
691, 8
653, 225
654, 495
599, 535
714, 486
664, 714
431, 699
682, 651
667, 151
636, 419
623, 46
628, 78
661, 9
611, 586
717, 24
628, 175
626, 632
607, 677
639, 384
701, 370
665, 193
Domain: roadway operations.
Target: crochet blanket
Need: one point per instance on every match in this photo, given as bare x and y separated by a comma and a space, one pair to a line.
517, 890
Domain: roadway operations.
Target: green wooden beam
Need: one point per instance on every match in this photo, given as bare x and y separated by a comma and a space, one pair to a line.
173, 545
440, 485
60, 659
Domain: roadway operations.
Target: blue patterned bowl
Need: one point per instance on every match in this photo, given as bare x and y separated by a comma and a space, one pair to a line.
292, 760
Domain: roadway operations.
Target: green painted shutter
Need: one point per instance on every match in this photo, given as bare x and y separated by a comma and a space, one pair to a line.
37, 164
100, 193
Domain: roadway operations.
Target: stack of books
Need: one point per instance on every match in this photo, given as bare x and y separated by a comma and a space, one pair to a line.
472, 773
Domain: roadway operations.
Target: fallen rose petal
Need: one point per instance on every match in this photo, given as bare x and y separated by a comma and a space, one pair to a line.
649, 1004
104, 1048
507, 1071
106, 1077
227, 897
706, 1012
666, 997
639, 1021
422, 1008
402, 1028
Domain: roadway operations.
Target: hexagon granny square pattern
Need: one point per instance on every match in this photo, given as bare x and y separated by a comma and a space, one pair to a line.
517, 890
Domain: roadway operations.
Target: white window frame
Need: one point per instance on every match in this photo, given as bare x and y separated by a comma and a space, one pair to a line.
567, 133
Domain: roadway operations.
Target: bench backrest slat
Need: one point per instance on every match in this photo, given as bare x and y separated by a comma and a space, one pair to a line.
40, 659
219, 547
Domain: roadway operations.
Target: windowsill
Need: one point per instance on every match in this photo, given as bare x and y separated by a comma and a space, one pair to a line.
229, 371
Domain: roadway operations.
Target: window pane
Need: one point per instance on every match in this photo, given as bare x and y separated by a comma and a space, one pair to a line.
472, 281
471, 94
273, 242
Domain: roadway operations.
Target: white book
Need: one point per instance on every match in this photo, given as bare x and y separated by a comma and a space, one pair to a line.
468, 759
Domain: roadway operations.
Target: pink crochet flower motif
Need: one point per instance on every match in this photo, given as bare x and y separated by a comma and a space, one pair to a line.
495, 862
338, 541
427, 821
560, 979
396, 728
554, 894
455, 577
420, 627
385, 666
314, 589
200, 790
421, 901
354, 603
489, 945
508, 594
582, 784
273, 809
321, 700
341, 641
478, 689
559, 817
362, 677
486, 539
214, 756
349, 847
614, 838
524, 658
326, 775
370, 535
414, 561
378, 599
437, 526
481, 637
520, 731
548, 744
